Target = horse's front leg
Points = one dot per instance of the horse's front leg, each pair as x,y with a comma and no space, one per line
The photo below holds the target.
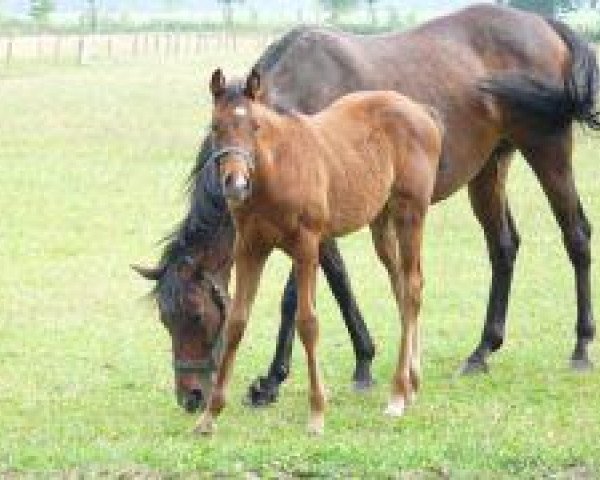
306,261
249,264
264,390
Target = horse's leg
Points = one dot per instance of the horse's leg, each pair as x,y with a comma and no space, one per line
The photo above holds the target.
339,283
551,163
488,200
264,390
248,270
306,262
408,288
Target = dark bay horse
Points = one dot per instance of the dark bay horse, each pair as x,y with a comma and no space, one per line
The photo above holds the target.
503,80
292,180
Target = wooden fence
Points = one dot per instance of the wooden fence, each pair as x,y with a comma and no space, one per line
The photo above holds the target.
84,48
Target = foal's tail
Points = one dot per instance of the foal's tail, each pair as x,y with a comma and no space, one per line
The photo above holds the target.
554,105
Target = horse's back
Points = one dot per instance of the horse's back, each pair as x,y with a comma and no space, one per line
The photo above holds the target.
440,63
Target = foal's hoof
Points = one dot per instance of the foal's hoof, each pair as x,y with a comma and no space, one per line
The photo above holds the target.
474,367
316,425
395,407
205,426
582,364
262,392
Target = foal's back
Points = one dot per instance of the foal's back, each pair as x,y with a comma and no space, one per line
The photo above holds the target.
372,145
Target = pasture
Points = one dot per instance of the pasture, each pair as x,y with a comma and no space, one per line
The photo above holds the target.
94,161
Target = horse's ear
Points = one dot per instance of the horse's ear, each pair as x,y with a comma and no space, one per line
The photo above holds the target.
217,83
252,90
149,273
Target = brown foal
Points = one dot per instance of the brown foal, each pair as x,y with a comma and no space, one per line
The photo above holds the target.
292,181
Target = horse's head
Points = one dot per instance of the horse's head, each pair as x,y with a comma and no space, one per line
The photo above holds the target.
233,133
192,307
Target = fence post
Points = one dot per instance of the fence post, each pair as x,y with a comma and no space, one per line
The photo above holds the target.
38,45
81,50
9,49
57,48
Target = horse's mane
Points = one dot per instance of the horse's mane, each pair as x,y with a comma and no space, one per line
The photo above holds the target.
206,222
208,216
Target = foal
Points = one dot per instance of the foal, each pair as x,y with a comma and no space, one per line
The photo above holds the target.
292,181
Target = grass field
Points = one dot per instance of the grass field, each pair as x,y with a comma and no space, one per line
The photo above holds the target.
93,163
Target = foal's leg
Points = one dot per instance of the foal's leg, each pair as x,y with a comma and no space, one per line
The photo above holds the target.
488,199
409,229
306,264
406,282
551,163
248,271
264,390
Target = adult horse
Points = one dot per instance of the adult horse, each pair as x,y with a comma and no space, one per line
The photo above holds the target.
503,80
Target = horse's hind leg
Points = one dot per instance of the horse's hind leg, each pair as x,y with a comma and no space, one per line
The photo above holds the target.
339,282
488,200
551,163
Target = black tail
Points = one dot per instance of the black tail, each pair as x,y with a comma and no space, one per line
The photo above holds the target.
551,104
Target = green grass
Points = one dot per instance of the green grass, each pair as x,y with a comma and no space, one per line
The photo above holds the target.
93,163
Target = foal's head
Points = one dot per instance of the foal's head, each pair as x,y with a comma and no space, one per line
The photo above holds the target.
233,133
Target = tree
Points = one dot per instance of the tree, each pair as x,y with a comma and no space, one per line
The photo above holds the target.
92,14
543,7
228,10
40,10
371,4
336,7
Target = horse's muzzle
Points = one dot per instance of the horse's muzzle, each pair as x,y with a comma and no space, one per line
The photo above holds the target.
191,401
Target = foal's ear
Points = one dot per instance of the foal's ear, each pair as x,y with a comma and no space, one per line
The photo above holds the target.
253,86
217,83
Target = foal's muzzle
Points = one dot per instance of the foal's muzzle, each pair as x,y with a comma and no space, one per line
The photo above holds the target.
236,187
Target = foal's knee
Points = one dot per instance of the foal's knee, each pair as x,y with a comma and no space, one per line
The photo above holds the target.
235,330
414,289
307,327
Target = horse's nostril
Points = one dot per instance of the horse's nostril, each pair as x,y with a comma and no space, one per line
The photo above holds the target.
193,400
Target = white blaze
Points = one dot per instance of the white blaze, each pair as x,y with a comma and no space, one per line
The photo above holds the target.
240,111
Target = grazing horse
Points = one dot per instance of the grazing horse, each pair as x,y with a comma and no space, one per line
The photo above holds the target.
502,80
292,181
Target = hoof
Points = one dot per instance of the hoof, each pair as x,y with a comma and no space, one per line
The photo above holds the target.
205,426
316,425
581,364
261,393
474,367
395,407
363,385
